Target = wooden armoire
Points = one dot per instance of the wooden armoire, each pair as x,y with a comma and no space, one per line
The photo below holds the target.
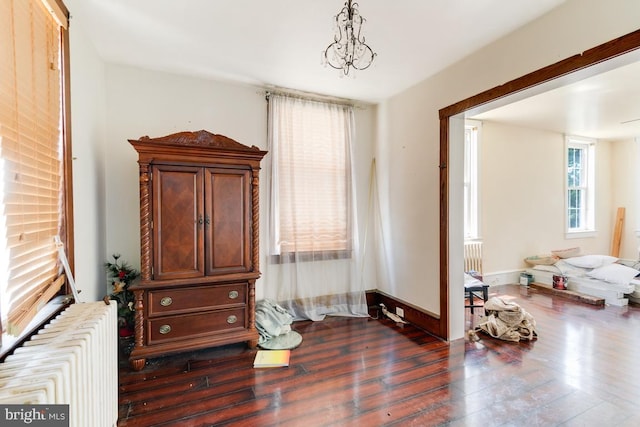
198,244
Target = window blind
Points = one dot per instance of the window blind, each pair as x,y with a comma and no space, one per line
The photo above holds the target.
313,175
30,159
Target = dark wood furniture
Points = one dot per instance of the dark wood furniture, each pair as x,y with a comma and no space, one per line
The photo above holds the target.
472,293
478,290
198,244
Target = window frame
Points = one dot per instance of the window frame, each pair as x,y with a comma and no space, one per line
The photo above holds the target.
587,146
471,179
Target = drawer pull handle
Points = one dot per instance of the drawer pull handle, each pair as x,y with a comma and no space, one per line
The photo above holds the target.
232,319
166,301
233,294
165,329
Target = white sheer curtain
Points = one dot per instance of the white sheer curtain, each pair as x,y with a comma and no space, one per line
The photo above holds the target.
313,261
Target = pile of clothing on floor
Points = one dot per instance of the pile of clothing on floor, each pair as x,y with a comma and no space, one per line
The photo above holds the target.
507,321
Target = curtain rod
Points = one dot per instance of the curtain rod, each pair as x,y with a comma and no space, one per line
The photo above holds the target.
310,96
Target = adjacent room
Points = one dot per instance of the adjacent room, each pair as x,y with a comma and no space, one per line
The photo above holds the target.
529,141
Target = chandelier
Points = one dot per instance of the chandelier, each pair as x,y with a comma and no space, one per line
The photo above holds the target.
349,48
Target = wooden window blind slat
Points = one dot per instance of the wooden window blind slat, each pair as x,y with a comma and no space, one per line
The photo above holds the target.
30,157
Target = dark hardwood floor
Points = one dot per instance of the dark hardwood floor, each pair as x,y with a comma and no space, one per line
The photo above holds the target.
581,371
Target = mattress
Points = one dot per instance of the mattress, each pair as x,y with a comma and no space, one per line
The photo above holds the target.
613,294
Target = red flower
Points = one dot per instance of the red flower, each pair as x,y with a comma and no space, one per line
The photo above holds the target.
126,331
121,274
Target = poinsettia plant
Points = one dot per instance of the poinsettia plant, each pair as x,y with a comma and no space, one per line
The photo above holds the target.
120,275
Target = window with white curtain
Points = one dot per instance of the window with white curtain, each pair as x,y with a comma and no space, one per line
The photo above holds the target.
580,185
315,259
311,173
32,150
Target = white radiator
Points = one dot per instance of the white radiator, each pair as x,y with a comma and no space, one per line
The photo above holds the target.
72,360
473,256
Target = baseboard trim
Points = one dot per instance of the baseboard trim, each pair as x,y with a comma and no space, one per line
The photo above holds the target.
421,318
507,277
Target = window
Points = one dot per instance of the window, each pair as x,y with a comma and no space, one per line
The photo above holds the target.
33,148
471,179
311,178
580,178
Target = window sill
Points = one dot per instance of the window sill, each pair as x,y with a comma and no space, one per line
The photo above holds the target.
291,257
580,234
48,312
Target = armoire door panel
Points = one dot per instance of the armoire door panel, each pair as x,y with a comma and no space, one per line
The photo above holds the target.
178,222
228,211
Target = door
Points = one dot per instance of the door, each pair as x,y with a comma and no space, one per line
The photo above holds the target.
227,219
178,222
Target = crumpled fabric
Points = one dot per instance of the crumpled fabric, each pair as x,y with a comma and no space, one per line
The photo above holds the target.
271,320
506,320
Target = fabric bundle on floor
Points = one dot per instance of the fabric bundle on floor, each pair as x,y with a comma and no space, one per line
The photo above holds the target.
507,321
272,320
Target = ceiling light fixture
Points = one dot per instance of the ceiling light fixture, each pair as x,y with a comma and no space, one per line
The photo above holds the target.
349,48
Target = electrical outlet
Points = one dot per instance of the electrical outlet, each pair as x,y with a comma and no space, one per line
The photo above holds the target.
400,311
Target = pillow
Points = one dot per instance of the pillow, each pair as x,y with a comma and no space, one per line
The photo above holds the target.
541,260
591,261
566,253
614,273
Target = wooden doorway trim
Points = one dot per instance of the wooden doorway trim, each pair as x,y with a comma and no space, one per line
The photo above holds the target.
601,53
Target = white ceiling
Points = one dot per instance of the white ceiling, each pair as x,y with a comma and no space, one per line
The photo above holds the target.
279,42
604,106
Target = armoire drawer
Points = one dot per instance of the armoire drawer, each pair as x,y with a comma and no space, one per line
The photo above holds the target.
184,300
182,326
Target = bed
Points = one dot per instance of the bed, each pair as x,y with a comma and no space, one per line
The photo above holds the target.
601,276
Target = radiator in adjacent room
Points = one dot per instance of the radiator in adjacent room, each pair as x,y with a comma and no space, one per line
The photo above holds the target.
72,360
473,256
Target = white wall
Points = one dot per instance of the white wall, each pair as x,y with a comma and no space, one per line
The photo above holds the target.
408,152
523,196
142,102
88,100
625,188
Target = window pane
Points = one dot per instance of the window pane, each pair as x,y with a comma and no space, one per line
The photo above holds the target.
573,219
572,177
471,141
575,208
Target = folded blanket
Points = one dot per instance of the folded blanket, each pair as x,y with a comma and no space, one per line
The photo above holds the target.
506,320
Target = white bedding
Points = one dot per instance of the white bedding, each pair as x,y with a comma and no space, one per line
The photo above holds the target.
596,275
